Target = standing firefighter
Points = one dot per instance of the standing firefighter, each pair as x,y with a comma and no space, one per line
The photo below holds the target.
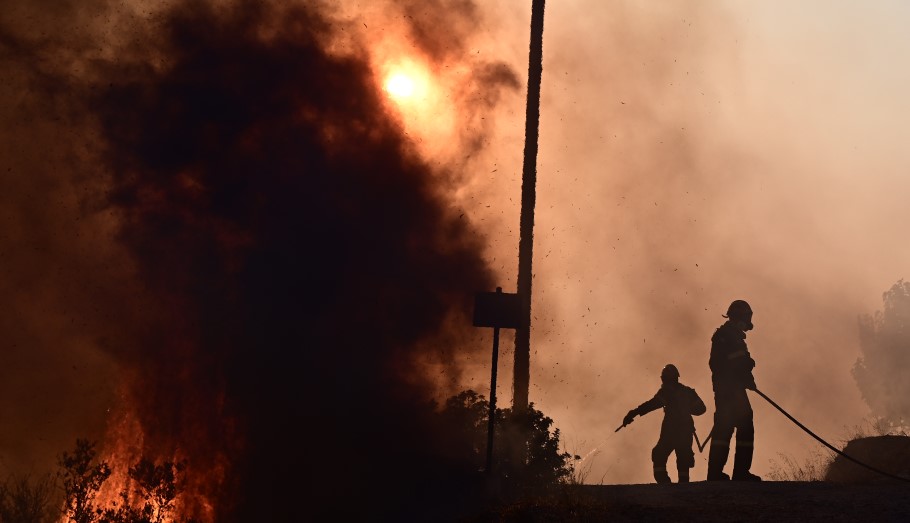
679,403
731,374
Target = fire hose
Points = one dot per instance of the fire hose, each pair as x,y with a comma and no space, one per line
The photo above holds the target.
701,446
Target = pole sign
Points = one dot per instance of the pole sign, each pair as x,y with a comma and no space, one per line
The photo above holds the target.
501,311
497,309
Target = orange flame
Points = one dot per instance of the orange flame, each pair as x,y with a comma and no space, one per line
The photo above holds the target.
125,444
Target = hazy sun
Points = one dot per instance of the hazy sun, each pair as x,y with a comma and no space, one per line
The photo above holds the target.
419,97
400,85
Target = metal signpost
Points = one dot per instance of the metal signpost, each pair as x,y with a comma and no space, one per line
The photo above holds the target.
500,311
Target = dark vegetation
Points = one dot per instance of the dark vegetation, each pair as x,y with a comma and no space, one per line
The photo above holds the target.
527,461
27,499
72,493
465,417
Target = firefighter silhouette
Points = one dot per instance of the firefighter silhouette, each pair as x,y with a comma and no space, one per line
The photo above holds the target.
680,403
731,374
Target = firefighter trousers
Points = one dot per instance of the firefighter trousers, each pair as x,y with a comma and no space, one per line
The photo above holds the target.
676,439
732,412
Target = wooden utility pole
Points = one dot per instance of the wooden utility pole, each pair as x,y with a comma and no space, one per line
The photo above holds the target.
521,371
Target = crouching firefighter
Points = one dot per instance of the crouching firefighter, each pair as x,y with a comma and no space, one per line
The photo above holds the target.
680,403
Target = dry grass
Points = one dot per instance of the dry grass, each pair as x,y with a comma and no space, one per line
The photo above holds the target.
813,468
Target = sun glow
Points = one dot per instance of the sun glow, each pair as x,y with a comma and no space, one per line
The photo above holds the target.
407,83
420,98
400,85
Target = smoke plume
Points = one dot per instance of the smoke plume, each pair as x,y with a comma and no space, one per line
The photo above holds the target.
295,269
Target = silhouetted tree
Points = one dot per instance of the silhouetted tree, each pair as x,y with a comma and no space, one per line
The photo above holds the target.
24,499
82,477
883,371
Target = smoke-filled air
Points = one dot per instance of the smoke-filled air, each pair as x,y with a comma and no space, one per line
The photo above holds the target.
246,236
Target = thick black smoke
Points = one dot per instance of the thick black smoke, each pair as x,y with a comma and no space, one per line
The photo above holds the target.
299,258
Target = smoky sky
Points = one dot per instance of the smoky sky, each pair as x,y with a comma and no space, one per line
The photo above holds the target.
292,265
690,155
65,289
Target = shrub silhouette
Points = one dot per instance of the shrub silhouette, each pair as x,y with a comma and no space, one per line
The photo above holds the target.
464,417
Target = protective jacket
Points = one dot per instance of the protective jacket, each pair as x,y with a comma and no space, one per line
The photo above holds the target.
679,402
730,362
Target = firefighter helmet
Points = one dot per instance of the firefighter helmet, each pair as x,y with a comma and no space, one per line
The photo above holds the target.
739,310
669,373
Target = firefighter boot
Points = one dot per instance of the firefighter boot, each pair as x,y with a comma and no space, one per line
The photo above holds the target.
742,462
660,474
683,475
745,476
717,458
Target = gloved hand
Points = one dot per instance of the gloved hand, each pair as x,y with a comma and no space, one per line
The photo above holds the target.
750,385
629,417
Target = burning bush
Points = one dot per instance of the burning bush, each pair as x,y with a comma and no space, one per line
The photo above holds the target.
149,497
